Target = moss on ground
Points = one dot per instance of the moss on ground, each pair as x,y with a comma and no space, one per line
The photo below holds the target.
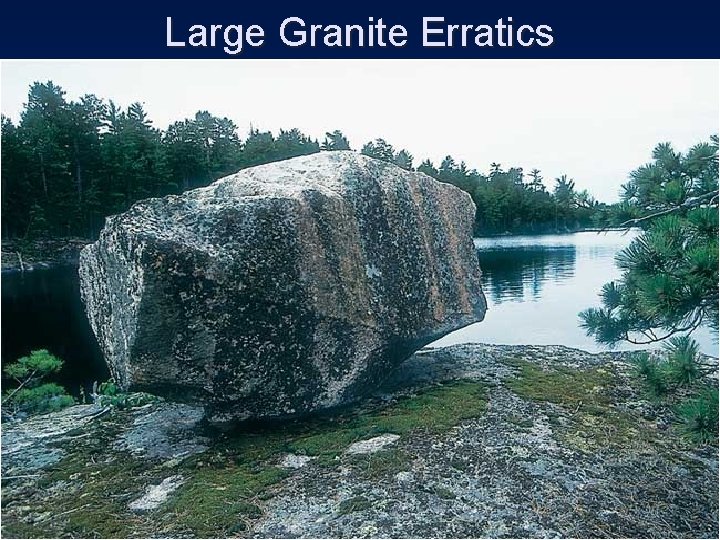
519,421
354,504
443,492
223,496
221,501
594,422
87,499
585,389
86,494
379,464
435,409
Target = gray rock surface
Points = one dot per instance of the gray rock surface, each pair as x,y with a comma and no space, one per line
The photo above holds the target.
155,495
166,432
372,445
524,469
36,443
285,288
568,444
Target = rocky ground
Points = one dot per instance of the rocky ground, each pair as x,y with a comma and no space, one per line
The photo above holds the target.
466,441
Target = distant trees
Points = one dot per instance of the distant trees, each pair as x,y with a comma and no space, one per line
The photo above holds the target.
510,201
381,149
201,149
68,164
335,140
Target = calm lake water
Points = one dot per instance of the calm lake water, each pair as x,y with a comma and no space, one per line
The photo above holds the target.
535,287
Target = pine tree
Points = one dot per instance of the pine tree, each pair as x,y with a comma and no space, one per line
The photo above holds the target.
404,159
32,394
335,140
669,282
379,149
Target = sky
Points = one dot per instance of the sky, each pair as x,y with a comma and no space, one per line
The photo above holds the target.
592,120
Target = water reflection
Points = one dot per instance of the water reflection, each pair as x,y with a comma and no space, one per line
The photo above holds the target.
518,273
537,285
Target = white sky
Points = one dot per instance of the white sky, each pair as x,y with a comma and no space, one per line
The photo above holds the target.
592,120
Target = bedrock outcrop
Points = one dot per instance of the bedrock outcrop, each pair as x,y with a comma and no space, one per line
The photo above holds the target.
282,289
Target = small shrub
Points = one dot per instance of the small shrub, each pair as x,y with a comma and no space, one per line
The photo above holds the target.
32,396
699,416
108,388
653,372
39,364
109,393
355,504
44,398
683,360
680,367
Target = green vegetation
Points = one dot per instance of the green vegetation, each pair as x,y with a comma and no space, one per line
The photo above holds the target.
238,473
509,200
699,416
669,283
96,513
221,498
32,395
591,422
681,369
108,393
654,373
384,463
512,201
443,492
436,409
683,360
244,468
574,389
681,366
355,504
223,488
68,164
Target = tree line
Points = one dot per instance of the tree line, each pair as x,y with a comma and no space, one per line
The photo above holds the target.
67,165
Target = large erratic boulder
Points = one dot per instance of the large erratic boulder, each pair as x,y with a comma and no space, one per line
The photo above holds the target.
282,289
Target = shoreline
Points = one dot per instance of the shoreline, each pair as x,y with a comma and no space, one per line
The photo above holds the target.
41,254
552,233
56,252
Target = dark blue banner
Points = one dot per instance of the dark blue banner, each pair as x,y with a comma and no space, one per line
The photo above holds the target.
360,30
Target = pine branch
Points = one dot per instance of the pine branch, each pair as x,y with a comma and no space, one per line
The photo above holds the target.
691,202
694,325
9,395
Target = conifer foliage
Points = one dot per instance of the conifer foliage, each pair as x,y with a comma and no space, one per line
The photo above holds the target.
669,282
31,393
68,164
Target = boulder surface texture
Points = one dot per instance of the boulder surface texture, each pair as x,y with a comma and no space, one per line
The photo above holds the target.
282,289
